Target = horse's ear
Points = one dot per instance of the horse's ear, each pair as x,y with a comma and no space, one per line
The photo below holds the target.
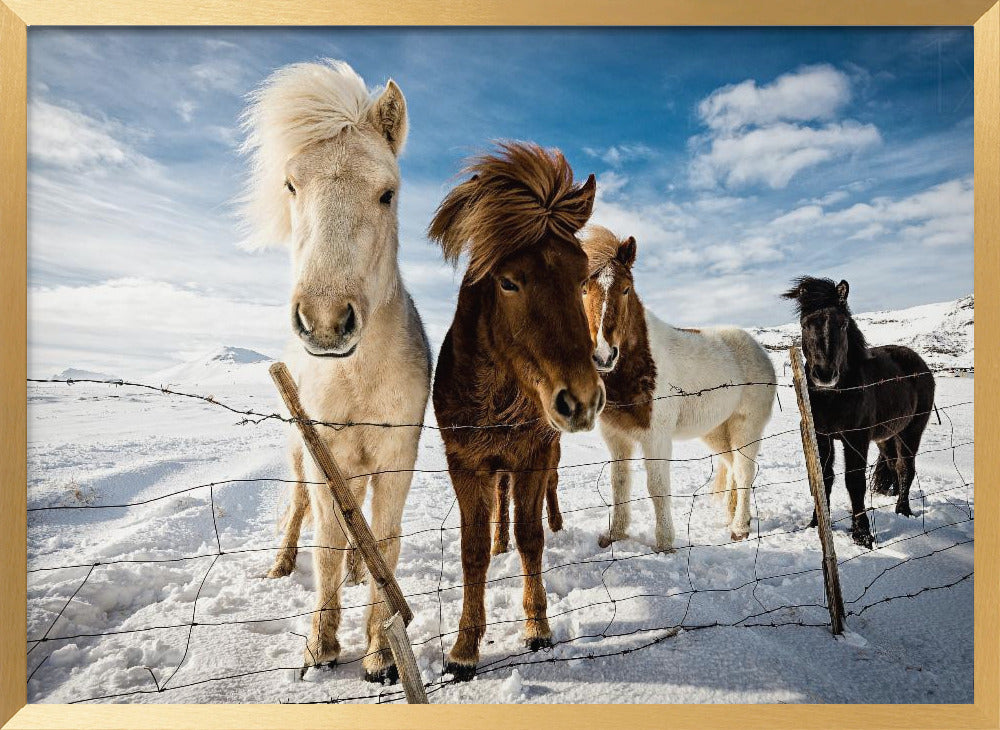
626,252
842,289
447,227
388,114
587,194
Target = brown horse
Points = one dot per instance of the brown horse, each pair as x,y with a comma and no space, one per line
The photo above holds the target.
518,352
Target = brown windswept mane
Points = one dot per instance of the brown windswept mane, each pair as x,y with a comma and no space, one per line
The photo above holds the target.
516,197
600,245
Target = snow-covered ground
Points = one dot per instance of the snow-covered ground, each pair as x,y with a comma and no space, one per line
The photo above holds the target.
126,632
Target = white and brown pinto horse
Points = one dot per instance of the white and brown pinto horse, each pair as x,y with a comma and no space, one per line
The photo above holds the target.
324,183
647,366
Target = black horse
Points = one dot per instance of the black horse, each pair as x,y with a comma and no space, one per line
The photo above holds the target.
861,394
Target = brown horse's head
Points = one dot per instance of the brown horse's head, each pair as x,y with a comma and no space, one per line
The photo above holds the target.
517,218
608,293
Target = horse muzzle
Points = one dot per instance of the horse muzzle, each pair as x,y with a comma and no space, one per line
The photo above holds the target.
325,331
572,412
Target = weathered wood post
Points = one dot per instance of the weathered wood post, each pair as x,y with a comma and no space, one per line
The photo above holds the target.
831,576
361,537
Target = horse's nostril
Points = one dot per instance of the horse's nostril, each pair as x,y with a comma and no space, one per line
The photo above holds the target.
565,405
349,322
301,321
614,354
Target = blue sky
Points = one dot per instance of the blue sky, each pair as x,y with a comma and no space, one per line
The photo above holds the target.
739,158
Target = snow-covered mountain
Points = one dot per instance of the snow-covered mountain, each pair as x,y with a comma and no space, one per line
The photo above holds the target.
81,374
225,365
941,333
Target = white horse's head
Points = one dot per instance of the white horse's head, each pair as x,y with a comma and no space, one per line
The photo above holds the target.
324,181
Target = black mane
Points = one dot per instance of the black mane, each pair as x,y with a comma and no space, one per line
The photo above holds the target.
812,294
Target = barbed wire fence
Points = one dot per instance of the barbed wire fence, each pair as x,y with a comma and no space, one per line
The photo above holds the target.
596,645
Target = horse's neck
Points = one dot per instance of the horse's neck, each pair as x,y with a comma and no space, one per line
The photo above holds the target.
632,383
478,363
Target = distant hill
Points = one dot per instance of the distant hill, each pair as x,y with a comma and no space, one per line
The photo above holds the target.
225,365
942,333
79,374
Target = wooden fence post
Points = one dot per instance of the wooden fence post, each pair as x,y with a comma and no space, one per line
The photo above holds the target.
831,576
361,536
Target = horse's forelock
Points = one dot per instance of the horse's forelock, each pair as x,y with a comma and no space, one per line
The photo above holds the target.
296,106
812,294
516,197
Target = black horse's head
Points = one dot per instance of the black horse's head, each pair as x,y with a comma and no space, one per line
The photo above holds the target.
831,341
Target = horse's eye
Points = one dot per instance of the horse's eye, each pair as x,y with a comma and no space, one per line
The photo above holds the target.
387,197
508,285
290,187
627,290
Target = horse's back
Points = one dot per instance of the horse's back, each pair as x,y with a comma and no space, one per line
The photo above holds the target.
700,361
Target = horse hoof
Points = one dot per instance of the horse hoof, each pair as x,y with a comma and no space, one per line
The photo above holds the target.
386,675
461,672
538,642
321,665
864,539
499,549
904,509
604,540
555,524
814,521
281,569
738,536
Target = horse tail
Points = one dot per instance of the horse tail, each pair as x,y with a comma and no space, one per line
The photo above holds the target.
884,479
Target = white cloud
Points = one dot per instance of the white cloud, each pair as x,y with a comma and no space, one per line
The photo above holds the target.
941,215
220,74
617,155
773,155
810,93
768,134
185,110
65,138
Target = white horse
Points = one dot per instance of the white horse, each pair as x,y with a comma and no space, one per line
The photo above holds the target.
324,182
647,365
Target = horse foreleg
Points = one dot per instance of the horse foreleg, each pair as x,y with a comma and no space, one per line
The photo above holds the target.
855,468
621,448
328,561
389,492
552,503
744,471
284,561
501,514
658,454
551,491
530,542
474,495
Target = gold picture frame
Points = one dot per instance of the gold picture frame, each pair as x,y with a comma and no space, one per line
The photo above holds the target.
16,15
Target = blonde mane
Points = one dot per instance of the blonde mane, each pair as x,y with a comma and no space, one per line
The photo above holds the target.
296,106
600,245
515,198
